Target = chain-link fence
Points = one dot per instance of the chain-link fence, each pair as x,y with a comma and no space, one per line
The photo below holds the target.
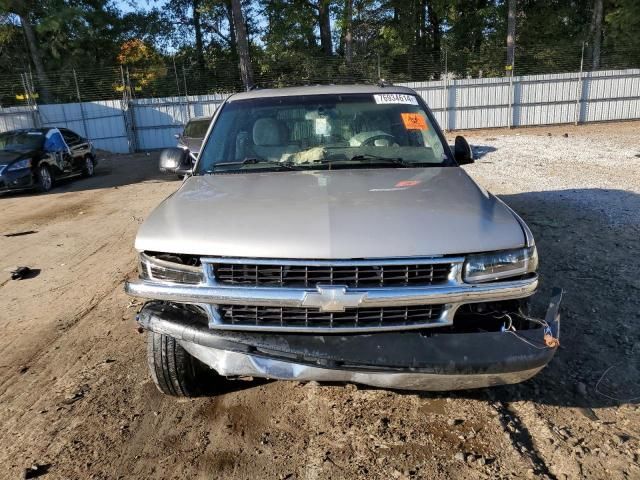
126,108
297,68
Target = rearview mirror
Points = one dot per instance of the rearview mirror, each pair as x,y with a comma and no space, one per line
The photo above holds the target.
462,151
172,159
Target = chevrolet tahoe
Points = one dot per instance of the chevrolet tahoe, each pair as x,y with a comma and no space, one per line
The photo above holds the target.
329,233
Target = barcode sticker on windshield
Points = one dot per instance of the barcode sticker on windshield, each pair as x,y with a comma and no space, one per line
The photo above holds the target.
395,98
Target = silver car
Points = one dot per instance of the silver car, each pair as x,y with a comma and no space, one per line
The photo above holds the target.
193,134
328,233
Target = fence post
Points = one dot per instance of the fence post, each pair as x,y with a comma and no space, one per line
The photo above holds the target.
445,92
579,88
30,102
132,113
175,71
124,108
511,92
186,95
84,120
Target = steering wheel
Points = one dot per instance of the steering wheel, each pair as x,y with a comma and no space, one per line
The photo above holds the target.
369,142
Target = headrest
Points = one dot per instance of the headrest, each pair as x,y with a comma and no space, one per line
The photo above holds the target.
269,132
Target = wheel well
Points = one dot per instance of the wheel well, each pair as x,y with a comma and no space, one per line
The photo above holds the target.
53,169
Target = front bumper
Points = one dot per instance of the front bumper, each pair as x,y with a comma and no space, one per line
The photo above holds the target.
414,360
16,180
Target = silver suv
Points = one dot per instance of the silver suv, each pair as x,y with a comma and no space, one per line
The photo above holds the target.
192,136
328,233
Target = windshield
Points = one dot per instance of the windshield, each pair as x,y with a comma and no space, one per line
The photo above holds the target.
21,141
323,131
197,128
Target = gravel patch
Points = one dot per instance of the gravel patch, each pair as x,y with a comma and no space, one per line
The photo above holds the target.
596,172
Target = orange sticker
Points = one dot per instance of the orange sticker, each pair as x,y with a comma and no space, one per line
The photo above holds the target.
414,121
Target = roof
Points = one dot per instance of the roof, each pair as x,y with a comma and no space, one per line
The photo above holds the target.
319,90
26,130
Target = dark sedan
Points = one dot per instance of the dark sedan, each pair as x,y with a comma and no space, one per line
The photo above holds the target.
35,158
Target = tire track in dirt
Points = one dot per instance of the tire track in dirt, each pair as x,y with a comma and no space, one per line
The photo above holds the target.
82,360
62,324
314,454
63,329
521,439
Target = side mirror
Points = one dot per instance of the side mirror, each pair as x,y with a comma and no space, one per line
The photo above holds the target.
185,170
177,135
172,159
462,151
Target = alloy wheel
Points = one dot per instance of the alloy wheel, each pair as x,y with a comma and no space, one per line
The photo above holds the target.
45,178
88,166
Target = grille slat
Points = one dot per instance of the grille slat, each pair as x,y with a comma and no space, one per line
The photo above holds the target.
308,276
247,315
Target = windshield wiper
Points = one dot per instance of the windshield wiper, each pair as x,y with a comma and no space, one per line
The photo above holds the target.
362,158
394,160
255,161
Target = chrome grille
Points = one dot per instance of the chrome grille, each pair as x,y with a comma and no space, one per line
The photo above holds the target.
261,316
353,276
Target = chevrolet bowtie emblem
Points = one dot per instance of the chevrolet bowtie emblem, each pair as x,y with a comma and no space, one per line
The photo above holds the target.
332,299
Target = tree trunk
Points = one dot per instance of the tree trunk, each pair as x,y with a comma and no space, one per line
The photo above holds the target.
423,15
197,27
478,30
36,57
596,32
511,34
232,31
324,21
246,72
436,35
348,38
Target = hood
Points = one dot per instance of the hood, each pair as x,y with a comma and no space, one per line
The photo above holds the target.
364,213
7,157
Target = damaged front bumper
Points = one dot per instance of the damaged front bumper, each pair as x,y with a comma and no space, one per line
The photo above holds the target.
430,359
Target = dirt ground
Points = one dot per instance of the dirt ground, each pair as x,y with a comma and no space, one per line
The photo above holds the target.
76,401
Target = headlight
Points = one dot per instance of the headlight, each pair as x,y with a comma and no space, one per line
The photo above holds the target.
155,269
21,165
486,267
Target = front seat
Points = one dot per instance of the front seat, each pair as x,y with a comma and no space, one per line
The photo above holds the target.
271,138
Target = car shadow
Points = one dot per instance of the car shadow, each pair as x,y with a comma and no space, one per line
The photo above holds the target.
587,241
218,387
112,171
480,151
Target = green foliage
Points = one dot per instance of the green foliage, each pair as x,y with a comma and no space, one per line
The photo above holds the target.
400,40
622,40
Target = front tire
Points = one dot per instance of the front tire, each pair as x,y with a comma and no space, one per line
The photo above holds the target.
174,371
44,179
89,167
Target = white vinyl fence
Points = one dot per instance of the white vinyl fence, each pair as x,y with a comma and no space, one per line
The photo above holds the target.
145,124
157,120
